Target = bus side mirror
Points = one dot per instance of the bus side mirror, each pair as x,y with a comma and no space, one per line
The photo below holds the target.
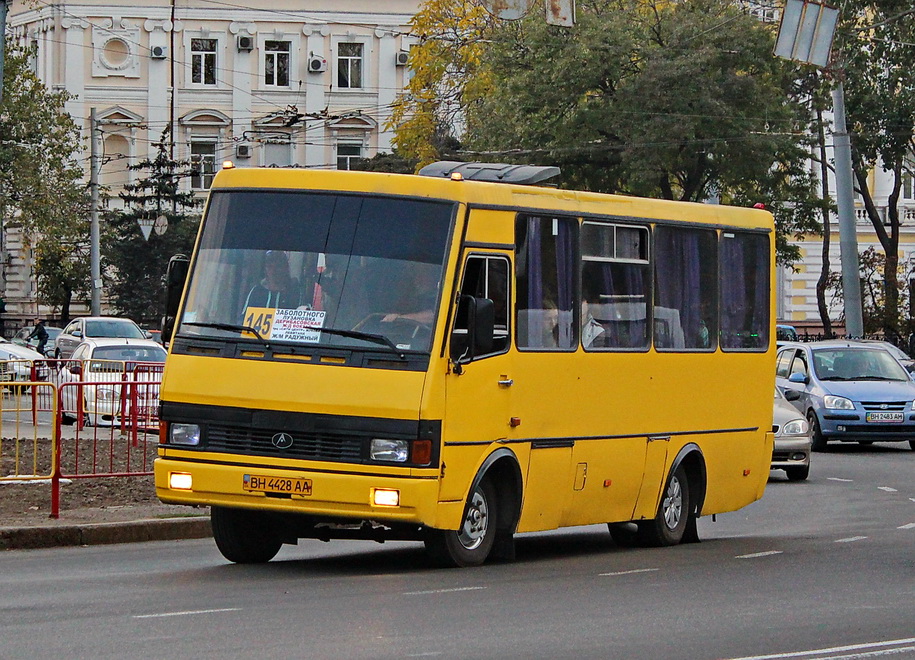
478,316
175,277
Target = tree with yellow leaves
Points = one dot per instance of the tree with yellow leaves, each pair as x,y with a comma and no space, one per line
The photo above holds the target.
449,76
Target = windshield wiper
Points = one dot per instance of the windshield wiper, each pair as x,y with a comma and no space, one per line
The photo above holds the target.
366,336
231,327
353,334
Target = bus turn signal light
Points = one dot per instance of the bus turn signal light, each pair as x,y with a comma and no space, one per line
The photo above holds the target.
422,452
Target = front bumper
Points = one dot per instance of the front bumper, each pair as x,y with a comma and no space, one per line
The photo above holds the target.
337,492
790,452
852,426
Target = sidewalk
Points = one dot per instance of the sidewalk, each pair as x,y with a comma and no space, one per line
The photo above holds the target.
94,526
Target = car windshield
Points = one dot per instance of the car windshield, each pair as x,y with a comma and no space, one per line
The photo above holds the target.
129,353
857,364
113,328
283,266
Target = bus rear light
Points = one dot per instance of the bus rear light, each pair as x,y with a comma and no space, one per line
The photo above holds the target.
385,497
422,452
180,481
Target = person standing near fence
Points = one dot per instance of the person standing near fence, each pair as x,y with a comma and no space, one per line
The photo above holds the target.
39,333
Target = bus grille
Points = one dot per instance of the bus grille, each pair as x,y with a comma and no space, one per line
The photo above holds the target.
259,442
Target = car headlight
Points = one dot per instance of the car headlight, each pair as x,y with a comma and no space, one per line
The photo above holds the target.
106,394
795,427
385,449
837,402
184,434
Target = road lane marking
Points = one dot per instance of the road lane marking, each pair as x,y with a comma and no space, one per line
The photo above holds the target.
759,554
632,572
887,489
850,539
186,613
909,526
837,479
835,649
442,591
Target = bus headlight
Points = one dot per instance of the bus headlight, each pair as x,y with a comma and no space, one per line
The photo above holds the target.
385,449
184,434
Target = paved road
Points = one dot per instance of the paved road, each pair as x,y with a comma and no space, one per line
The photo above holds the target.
820,569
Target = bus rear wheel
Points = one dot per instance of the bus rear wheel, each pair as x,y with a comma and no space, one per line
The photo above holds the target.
470,545
669,525
244,537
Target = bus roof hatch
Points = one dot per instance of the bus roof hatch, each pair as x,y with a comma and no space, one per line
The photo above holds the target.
492,172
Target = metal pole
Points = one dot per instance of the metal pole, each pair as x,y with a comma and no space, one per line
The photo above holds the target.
848,239
95,262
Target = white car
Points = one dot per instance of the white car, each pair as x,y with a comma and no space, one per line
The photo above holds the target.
93,383
16,362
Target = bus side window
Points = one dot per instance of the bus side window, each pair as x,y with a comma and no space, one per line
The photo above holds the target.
485,277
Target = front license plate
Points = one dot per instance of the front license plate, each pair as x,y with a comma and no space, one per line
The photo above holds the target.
884,417
263,484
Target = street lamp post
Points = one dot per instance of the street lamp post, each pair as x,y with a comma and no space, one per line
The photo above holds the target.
805,35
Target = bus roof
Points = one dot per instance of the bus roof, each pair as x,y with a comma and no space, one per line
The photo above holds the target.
482,193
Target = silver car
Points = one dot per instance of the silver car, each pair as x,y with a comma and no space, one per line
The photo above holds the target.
792,439
94,327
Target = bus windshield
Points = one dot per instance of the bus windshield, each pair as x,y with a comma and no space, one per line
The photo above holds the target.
283,265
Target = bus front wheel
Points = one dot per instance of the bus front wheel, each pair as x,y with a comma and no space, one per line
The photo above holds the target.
669,525
244,537
470,545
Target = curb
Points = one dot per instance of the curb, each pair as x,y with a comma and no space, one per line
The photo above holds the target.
139,531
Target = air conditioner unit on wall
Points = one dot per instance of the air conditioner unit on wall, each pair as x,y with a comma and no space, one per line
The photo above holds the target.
158,52
316,64
245,42
401,58
243,151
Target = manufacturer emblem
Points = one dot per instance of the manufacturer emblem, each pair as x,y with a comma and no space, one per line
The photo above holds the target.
883,406
281,440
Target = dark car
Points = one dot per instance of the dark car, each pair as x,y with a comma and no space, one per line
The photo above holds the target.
92,327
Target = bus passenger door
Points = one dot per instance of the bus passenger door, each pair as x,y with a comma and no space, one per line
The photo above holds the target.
479,388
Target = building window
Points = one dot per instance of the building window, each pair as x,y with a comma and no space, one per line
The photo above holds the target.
349,66
203,159
276,63
277,153
347,154
203,61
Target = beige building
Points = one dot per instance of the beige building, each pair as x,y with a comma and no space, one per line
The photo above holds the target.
282,83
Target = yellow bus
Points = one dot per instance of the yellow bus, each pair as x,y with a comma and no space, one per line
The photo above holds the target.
463,355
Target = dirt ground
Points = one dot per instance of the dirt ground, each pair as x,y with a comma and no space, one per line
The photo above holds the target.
27,502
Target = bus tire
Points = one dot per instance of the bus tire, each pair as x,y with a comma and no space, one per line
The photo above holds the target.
470,545
669,525
244,537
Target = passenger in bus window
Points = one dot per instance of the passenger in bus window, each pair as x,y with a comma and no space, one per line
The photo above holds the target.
278,289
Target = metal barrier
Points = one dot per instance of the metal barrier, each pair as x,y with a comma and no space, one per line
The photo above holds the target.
28,446
100,418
